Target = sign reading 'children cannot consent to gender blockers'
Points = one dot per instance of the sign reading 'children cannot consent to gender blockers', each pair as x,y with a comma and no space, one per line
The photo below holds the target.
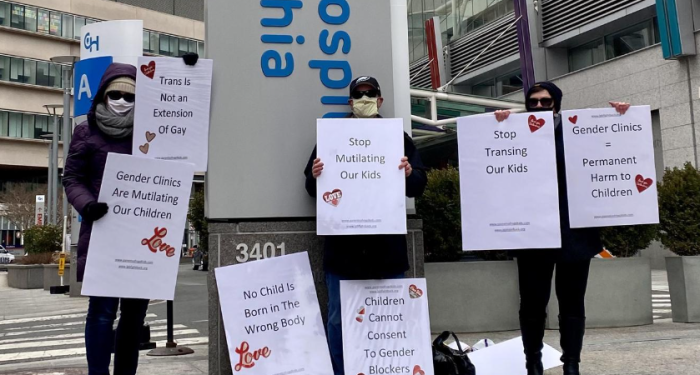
610,168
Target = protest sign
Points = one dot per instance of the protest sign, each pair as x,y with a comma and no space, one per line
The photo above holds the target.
271,316
134,248
508,182
386,327
361,190
171,118
610,167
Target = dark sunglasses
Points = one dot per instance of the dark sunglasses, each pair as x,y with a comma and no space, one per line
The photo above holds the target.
546,102
370,94
116,95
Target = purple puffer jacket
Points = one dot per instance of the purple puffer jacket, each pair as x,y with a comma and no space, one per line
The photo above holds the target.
85,165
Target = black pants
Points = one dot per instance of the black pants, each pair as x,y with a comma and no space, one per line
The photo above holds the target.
535,279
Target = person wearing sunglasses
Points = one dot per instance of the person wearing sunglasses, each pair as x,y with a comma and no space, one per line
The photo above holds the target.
572,261
363,257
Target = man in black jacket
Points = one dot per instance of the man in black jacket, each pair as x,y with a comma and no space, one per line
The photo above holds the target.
363,257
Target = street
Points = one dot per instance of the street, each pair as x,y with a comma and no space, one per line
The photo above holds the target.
39,330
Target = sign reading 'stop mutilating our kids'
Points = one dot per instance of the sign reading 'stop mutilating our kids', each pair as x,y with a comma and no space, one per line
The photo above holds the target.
171,121
610,169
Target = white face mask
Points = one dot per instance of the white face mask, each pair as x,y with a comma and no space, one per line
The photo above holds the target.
119,107
365,108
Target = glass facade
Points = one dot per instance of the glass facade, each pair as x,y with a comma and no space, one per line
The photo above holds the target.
32,72
614,45
457,18
499,86
68,26
26,125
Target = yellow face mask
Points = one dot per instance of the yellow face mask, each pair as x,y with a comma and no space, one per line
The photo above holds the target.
365,107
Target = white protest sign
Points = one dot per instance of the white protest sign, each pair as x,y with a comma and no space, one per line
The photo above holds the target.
171,121
509,358
271,316
122,40
361,190
134,248
386,327
508,182
610,167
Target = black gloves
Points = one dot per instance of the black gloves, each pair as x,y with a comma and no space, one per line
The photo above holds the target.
95,210
190,58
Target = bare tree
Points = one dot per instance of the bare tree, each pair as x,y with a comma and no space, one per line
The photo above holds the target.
18,203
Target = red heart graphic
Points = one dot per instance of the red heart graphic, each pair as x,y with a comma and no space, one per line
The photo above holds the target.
642,183
333,197
535,123
149,70
414,291
418,371
359,319
361,311
573,119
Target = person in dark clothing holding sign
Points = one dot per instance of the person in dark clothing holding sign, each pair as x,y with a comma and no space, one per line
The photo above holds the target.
573,260
363,257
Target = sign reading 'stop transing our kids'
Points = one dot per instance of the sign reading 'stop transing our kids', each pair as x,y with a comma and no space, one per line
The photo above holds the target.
291,62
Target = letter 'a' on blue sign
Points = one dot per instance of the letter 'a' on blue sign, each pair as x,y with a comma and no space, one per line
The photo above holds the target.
88,74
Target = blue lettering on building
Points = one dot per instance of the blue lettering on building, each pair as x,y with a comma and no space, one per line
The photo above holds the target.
89,42
278,61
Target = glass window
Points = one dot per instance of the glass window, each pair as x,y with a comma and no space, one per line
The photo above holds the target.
586,55
3,124
67,26
155,42
16,70
629,40
146,41
54,75
193,46
90,21
4,14
30,18
164,48
17,16
15,125
27,126
487,89
30,72
4,68
79,22
174,45
55,23
42,23
41,126
200,48
509,83
182,47
42,73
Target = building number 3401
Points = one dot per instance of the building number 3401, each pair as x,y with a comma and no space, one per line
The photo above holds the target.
268,250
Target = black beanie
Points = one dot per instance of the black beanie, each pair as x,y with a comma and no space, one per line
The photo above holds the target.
553,90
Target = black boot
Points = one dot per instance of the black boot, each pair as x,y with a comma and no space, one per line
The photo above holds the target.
533,333
572,331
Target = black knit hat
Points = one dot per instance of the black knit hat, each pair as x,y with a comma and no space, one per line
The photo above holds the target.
553,90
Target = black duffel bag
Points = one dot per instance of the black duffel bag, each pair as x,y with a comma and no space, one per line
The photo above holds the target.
448,361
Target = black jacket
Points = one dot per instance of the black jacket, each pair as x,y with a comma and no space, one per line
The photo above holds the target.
374,256
576,244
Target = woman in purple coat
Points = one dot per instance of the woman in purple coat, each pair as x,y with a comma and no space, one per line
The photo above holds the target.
108,129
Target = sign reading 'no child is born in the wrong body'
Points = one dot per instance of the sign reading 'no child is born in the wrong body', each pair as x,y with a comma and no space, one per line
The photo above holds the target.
272,320
386,327
361,190
171,121
135,247
508,182
610,169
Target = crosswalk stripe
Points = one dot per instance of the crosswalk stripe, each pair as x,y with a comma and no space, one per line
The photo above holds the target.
662,311
57,325
80,334
662,305
48,342
55,353
49,318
